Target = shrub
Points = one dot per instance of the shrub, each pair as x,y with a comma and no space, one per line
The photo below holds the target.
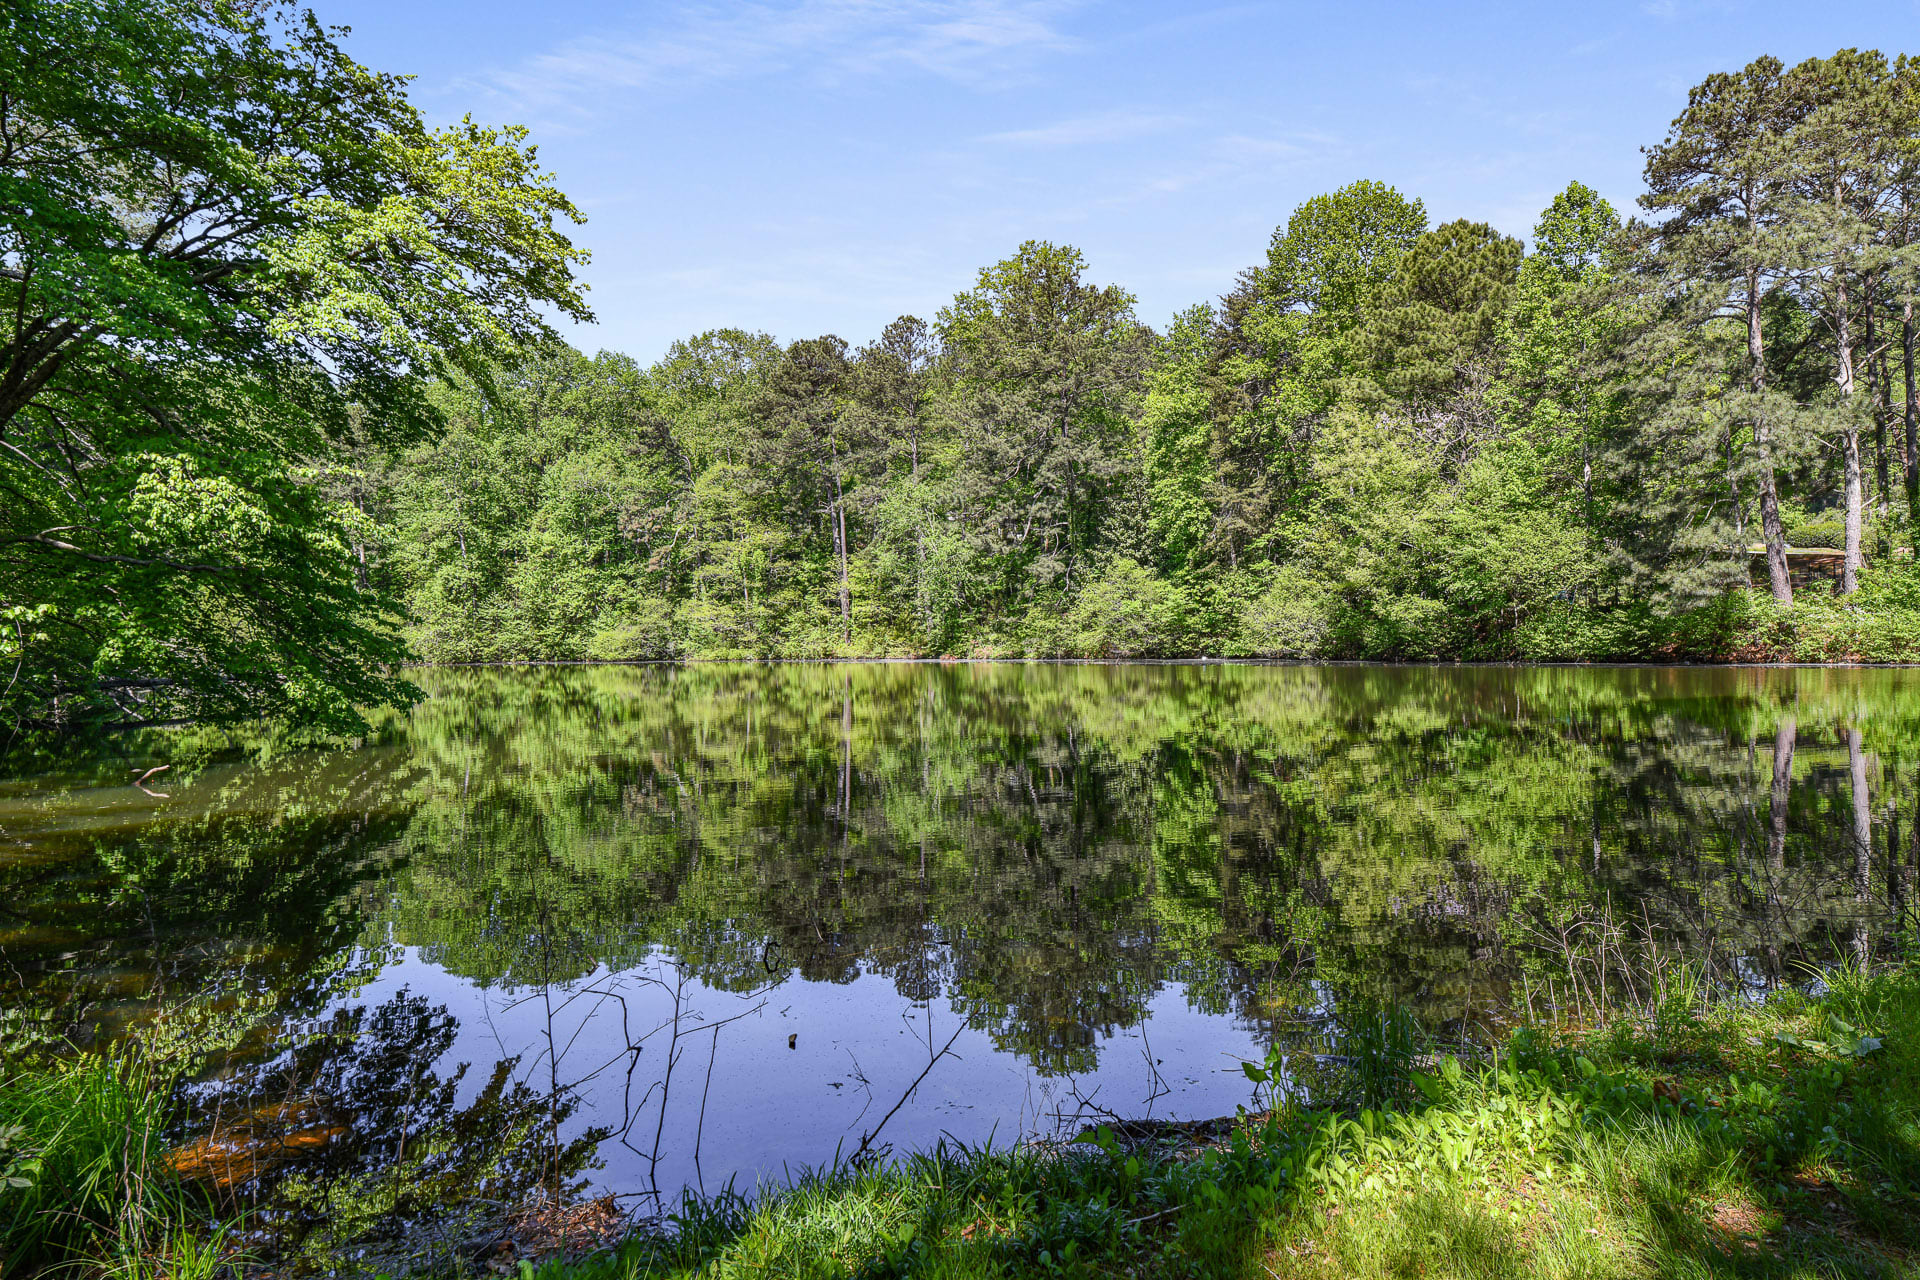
1817,533
1126,612
641,632
1292,618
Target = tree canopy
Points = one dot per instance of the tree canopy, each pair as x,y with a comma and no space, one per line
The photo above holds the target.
229,250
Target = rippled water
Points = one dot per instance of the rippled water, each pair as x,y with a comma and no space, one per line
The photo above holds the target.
712,923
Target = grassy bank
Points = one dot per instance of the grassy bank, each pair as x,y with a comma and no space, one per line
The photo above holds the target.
1772,1139
85,1185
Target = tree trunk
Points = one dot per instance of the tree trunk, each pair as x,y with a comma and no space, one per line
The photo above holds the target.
1856,501
1849,431
1880,397
840,553
1733,495
1912,409
846,593
1883,452
1770,528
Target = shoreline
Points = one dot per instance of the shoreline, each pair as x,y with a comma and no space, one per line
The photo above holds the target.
1655,1141
1659,1137
1382,663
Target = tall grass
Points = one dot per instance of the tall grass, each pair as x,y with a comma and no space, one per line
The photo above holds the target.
88,1184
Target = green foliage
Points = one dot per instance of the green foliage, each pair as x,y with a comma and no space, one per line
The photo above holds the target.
1388,442
1292,618
85,1143
342,436
231,249
1124,612
1338,250
1430,330
1831,534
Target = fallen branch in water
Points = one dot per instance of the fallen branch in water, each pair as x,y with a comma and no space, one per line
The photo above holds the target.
864,1152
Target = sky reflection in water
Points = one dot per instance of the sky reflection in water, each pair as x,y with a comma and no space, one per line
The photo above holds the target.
1112,882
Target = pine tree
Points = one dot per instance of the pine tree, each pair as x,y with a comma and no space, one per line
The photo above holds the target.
1724,179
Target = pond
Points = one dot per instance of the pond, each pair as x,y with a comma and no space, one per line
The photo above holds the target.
665,928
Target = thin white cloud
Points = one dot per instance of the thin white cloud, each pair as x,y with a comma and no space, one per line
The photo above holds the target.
1675,10
1237,158
1100,127
832,40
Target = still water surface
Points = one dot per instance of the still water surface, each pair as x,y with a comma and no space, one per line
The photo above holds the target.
728,916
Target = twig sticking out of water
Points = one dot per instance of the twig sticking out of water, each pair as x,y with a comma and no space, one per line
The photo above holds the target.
865,1153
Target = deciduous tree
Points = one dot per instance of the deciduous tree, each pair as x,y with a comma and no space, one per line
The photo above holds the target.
219,235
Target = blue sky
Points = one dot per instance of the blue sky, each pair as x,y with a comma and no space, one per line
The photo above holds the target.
821,166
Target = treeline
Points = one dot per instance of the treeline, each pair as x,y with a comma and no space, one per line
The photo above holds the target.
279,411
1389,439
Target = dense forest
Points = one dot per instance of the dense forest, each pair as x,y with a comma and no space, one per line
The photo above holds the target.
282,410
1389,439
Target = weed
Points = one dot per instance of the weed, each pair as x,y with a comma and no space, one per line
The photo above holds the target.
85,1144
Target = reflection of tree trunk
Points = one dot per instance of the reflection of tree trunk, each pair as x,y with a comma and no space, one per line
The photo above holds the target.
926,792
1895,897
846,760
1862,844
1783,740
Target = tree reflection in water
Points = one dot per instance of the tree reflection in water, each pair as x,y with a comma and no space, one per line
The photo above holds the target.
1049,853
349,1139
